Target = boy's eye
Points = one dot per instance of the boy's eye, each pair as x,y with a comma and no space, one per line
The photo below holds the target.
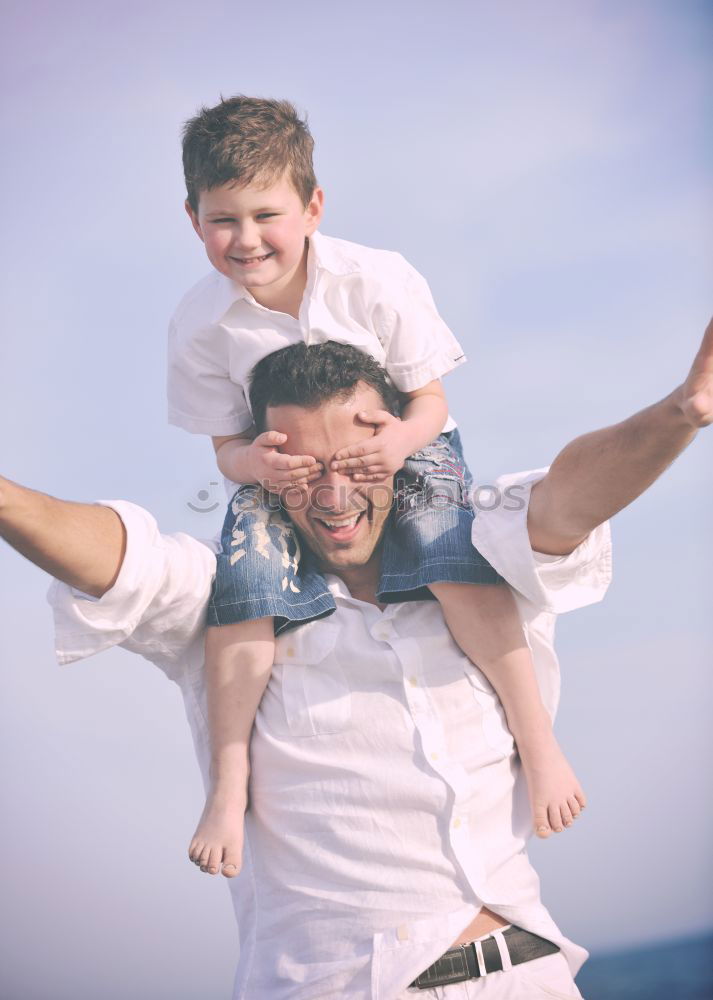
266,215
222,221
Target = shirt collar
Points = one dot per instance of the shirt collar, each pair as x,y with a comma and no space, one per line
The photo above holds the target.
325,255
227,292
338,587
330,255
342,596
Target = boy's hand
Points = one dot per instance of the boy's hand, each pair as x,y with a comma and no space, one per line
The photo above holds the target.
275,471
378,456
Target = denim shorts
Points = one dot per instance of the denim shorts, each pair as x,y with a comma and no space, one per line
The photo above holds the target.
263,571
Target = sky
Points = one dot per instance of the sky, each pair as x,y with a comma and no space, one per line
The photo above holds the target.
547,167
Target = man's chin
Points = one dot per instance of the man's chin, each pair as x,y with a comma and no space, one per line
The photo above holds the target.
345,555
344,559
336,557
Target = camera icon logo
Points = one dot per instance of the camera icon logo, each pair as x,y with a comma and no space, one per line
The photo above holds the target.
203,496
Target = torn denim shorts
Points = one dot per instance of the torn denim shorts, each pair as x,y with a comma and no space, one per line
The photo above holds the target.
428,539
262,570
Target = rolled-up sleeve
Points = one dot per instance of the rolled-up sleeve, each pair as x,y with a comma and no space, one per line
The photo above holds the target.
419,346
551,583
155,608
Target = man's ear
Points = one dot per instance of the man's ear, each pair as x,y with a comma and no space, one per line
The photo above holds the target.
314,210
194,219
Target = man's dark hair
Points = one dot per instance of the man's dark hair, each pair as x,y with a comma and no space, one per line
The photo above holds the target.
301,375
247,140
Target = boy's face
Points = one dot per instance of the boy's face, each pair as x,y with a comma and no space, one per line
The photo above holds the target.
256,235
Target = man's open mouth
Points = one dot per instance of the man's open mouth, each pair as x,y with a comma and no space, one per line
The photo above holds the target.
341,529
246,261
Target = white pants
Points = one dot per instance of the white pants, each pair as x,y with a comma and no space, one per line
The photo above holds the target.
545,978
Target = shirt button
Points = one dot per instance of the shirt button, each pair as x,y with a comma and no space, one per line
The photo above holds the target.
456,822
290,650
434,756
413,681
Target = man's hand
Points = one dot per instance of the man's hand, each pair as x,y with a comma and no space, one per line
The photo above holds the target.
696,393
379,456
276,471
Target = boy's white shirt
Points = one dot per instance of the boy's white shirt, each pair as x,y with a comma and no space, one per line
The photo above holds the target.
372,299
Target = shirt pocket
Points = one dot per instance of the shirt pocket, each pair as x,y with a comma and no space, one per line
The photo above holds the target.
315,691
493,721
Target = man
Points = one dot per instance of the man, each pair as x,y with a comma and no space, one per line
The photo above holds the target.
387,820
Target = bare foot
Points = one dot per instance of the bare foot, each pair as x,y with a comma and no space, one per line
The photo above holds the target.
556,797
217,844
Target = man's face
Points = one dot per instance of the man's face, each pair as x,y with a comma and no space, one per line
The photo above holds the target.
255,235
341,521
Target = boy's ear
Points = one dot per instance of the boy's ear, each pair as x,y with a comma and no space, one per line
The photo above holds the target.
194,218
314,210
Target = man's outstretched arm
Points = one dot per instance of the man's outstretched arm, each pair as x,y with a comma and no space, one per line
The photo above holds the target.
598,474
81,544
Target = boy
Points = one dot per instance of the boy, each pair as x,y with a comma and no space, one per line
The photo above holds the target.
254,201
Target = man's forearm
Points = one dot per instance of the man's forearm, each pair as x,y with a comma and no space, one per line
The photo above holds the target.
81,544
598,474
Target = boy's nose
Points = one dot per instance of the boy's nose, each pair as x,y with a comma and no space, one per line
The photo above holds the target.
248,237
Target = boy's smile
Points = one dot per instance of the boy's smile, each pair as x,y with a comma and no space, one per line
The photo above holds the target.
256,235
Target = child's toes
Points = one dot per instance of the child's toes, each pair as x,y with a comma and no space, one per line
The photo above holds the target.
574,806
195,851
541,822
204,858
231,865
555,818
566,814
232,858
213,863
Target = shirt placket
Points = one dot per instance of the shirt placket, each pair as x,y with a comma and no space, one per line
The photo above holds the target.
301,323
309,296
435,746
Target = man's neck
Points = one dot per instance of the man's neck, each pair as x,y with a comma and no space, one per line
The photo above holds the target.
360,581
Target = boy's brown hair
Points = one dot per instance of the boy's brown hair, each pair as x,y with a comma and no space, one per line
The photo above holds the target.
245,140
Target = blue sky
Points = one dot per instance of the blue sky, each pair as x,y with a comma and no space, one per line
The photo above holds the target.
548,168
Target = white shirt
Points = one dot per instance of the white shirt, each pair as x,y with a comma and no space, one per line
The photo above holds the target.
387,805
372,299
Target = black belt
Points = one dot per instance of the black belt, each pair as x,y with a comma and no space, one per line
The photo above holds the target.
461,963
